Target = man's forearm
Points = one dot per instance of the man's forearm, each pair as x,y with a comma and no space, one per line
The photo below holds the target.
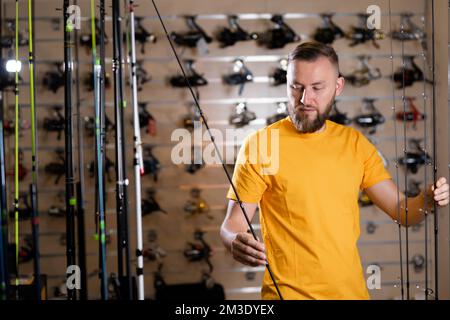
417,209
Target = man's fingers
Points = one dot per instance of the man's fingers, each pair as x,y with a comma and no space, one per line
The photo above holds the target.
441,196
248,240
248,250
443,202
248,260
441,181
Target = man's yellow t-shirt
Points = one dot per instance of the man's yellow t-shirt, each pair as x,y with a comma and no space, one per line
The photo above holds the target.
308,202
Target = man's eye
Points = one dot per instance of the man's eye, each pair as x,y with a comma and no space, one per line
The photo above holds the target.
317,89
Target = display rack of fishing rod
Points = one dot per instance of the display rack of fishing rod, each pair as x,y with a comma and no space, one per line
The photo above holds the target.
237,65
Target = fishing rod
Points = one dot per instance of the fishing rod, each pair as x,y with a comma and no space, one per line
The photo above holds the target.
406,172
99,103
138,161
219,154
34,159
16,152
122,182
4,272
396,160
70,192
425,139
436,217
80,184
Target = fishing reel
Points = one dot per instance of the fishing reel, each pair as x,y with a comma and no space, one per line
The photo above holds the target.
195,37
89,81
372,119
194,78
150,205
412,160
410,32
154,251
329,31
234,33
199,251
196,205
9,126
151,164
242,115
413,115
418,262
364,74
8,41
279,75
413,189
240,76
23,171
192,117
409,74
141,34
197,162
54,79
55,123
57,212
26,251
142,76
57,169
89,125
338,116
279,36
360,34
25,210
108,166
86,38
364,200
146,120
282,112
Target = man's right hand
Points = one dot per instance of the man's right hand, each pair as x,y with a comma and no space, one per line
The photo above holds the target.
247,250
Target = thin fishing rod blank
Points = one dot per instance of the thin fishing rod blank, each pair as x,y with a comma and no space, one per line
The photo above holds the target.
215,146
34,159
80,184
99,88
123,251
436,217
16,153
425,139
4,270
138,161
70,195
396,160
405,154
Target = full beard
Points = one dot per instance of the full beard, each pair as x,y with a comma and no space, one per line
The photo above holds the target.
302,122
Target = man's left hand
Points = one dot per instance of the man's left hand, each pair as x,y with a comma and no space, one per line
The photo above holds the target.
441,192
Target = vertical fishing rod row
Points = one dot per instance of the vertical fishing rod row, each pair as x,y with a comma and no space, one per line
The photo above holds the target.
34,159
70,195
81,236
99,103
138,161
121,180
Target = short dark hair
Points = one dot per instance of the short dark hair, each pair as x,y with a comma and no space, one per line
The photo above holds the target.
311,51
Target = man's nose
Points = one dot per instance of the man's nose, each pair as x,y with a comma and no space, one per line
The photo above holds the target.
306,97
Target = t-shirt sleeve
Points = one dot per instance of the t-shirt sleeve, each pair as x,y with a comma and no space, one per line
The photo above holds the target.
374,170
247,177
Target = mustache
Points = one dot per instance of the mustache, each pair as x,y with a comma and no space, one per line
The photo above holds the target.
302,106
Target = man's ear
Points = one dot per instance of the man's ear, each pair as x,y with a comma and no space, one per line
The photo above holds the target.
340,82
